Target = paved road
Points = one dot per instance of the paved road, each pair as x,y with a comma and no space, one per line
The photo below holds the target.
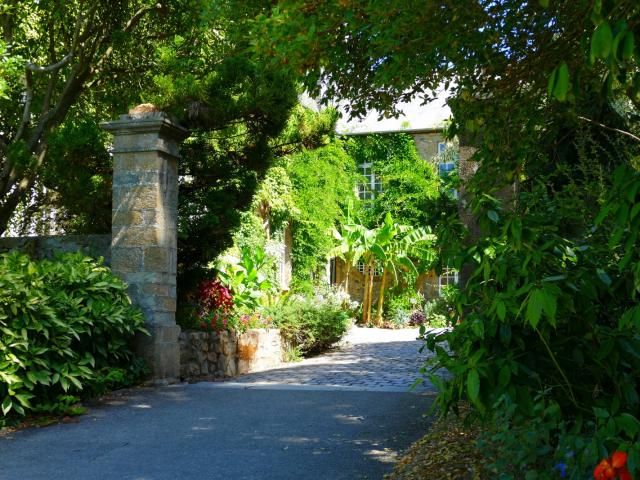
345,415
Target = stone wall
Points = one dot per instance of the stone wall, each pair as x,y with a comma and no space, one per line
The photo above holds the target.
47,247
427,143
426,283
227,354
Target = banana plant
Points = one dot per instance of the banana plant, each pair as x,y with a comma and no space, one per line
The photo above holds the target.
349,247
396,247
367,240
247,279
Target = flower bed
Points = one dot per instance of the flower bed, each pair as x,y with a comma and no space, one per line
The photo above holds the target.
217,354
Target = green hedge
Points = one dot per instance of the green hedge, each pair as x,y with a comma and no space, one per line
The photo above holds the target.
65,327
309,325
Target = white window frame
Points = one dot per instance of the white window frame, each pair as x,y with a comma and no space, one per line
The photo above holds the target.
448,274
370,187
377,269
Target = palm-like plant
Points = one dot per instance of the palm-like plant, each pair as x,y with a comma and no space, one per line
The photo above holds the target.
349,247
395,248
392,245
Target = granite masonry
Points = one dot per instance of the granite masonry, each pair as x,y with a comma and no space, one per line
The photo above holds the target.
227,354
144,220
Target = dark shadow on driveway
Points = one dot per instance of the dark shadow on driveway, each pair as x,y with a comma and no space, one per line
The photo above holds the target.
197,432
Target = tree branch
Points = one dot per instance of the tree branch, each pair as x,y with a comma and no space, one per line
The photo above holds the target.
623,132
50,68
26,113
131,23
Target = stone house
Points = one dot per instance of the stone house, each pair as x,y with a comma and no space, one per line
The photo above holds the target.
430,144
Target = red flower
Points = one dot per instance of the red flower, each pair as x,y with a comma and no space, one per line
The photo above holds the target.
613,467
618,459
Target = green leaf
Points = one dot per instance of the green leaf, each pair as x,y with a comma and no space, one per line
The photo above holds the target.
628,46
549,305
629,424
544,3
601,41
561,86
473,385
552,82
478,327
23,398
501,310
534,307
603,276
504,376
6,405
493,216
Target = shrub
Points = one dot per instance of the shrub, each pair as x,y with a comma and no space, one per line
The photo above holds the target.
400,307
417,318
247,280
65,328
435,313
214,297
311,324
214,304
236,323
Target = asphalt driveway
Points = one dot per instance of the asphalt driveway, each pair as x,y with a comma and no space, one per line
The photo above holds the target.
258,427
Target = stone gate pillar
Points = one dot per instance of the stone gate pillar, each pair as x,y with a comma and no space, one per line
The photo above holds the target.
144,222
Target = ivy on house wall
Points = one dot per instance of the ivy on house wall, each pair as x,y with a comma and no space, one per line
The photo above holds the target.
323,183
410,185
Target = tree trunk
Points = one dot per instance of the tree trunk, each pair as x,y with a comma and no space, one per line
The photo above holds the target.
365,295
346,277
381,299
370,270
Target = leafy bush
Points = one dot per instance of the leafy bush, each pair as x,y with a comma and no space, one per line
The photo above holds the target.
65,329
247,280
400,306
214,301
546,347
311,324
440,312
236,323
435,313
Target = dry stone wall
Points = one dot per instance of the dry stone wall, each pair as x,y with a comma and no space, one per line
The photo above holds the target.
227,354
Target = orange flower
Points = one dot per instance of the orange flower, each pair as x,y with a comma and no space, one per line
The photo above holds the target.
613,467
619,459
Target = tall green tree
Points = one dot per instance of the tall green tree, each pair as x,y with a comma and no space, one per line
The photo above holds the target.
66,66
52,53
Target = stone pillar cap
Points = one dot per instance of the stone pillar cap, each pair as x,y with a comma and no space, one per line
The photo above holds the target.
146,118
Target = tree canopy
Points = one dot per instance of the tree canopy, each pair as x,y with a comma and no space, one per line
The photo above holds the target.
67,66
